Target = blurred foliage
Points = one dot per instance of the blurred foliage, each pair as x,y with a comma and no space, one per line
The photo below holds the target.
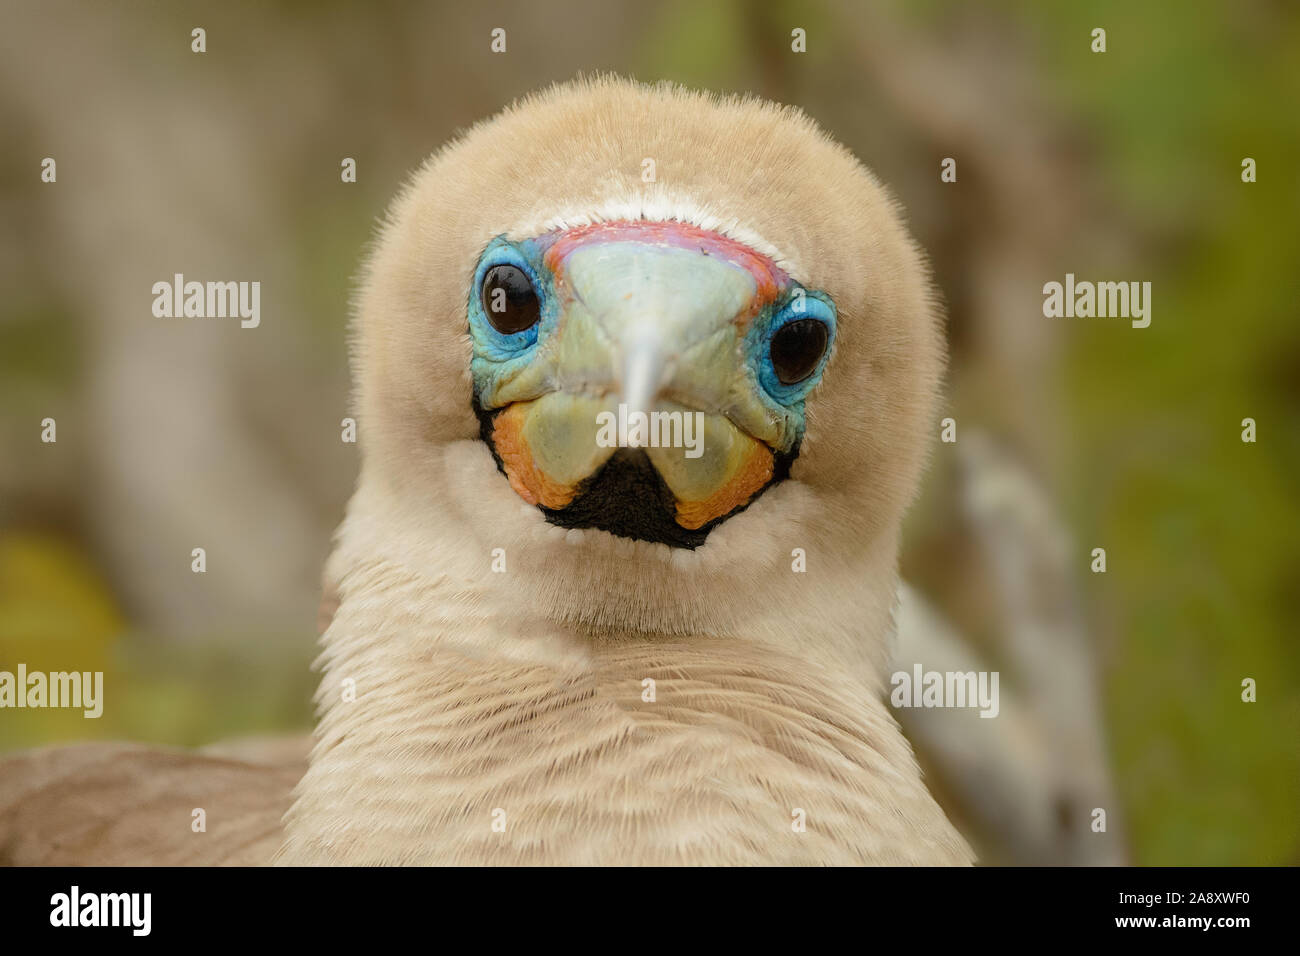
57,615
1200,529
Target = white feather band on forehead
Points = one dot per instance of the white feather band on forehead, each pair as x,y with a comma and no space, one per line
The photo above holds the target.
662,207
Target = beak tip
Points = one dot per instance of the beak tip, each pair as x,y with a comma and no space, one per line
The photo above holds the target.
642,371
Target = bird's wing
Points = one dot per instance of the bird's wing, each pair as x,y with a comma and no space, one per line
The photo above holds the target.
116,804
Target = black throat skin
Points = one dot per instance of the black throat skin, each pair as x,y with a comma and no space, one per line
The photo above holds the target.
628,498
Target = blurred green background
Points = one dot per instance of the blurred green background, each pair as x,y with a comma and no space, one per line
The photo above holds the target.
1123,165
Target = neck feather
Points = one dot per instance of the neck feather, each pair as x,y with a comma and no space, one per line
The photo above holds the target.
449,734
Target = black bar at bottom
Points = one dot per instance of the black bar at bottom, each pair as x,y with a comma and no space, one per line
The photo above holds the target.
620,908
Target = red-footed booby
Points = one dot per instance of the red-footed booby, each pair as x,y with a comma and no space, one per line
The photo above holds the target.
552,646
645,380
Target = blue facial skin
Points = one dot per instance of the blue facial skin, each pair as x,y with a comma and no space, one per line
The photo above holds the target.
783,398
496,354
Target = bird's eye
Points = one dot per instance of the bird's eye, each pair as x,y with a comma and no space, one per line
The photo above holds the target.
796,349
509,299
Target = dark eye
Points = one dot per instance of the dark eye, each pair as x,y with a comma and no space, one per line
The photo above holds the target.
796,349
510,300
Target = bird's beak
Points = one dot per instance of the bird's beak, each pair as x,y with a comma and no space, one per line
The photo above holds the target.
645,333
643,360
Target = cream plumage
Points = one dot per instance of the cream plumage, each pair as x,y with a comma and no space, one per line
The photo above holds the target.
522,691
470,715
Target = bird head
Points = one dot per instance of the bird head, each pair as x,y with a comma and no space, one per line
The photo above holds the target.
631,358
644,378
